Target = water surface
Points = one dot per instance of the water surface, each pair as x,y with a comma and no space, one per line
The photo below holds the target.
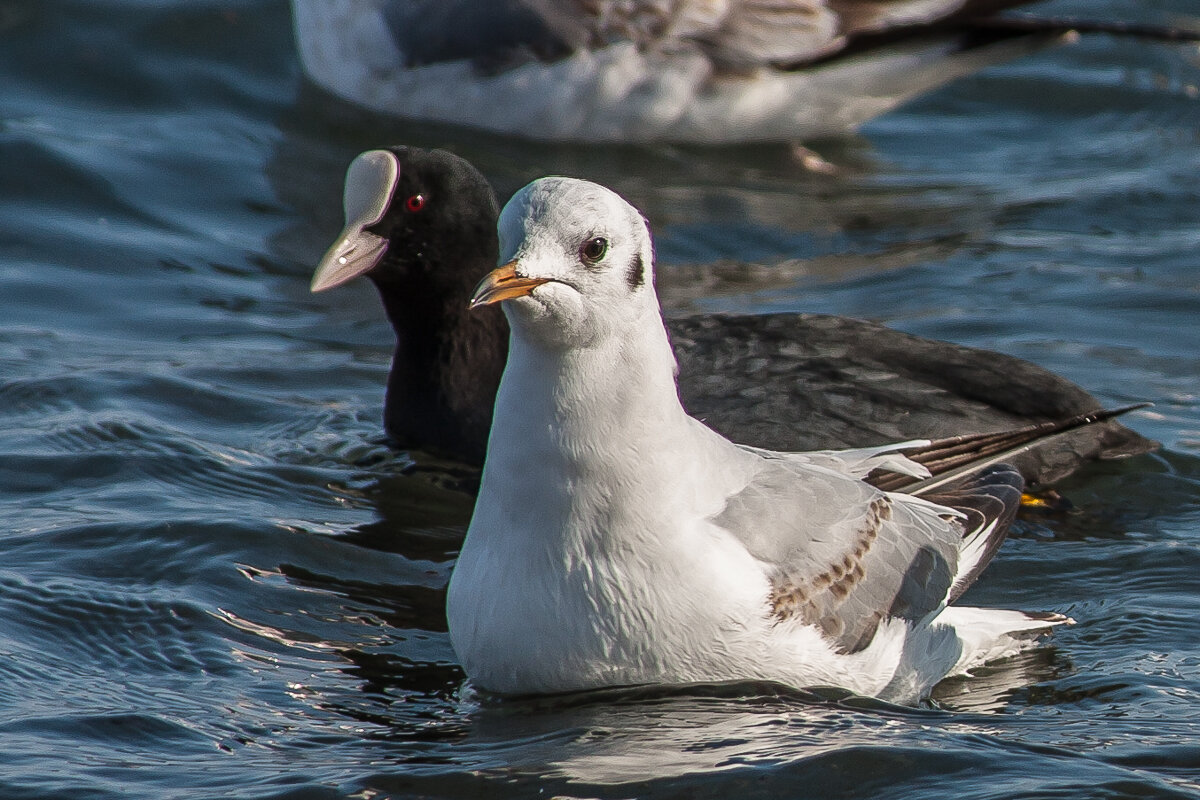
216,581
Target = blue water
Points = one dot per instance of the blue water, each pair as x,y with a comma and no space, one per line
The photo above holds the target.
216,581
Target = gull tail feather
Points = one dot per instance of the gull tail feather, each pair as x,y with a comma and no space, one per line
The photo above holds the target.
991,633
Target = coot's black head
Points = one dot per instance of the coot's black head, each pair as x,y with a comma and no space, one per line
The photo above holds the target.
421,224
416,221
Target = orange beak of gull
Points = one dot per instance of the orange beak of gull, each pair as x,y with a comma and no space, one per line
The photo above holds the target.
503,283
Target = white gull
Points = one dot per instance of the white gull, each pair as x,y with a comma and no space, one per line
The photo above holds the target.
618,541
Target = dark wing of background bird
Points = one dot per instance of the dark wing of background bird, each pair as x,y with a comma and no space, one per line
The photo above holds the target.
800,382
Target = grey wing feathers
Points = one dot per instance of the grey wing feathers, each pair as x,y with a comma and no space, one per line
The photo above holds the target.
840,555
493,34
843,557
498,34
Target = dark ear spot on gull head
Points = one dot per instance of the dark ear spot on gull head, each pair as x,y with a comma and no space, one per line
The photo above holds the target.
636,276
637,273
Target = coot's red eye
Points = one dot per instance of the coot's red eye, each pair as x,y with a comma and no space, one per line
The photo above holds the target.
415,203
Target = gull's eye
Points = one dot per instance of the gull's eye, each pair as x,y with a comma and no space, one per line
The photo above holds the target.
415,203
593,250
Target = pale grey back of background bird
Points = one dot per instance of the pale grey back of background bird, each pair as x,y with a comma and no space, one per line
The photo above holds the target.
736,35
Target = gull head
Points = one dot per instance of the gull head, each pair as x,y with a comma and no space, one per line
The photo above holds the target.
576,263
410,214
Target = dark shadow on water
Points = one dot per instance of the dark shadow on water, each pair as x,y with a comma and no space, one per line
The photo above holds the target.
423,511
1110,499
